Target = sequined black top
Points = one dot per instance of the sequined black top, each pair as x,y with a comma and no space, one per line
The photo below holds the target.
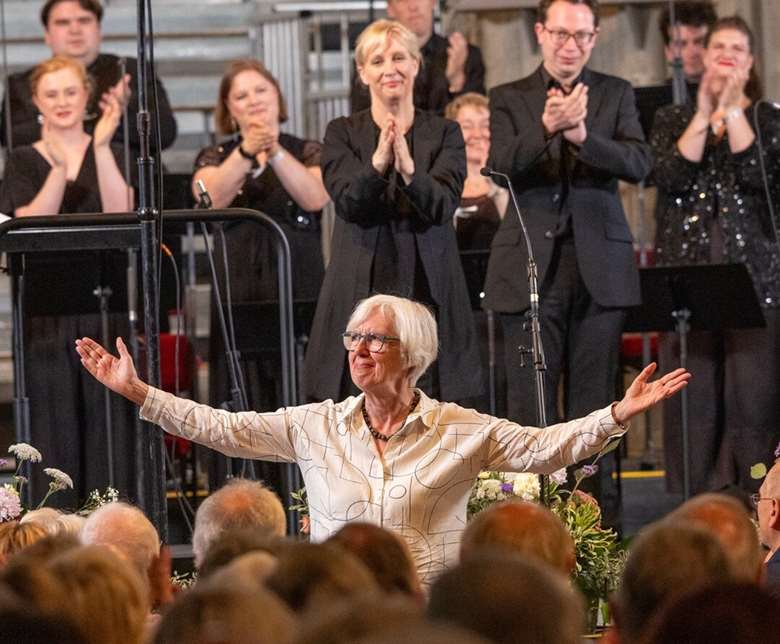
716,210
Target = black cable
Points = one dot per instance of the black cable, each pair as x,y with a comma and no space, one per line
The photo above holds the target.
229,305
762,165
152,76
181,499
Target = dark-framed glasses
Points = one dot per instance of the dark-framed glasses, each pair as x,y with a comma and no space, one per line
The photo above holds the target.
374,341
560,37
755,498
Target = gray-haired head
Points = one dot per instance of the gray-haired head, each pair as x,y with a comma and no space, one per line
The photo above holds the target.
126,529
414,324
238,504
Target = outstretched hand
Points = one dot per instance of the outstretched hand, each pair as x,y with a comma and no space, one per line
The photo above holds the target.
118,374
642,395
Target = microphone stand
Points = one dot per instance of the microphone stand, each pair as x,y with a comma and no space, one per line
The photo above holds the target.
537,349
150,448
679,88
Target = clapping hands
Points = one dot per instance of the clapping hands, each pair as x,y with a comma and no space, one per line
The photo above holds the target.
392,149
567,113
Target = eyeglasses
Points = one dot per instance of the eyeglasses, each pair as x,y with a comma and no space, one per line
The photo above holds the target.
374,341
755,498
560,37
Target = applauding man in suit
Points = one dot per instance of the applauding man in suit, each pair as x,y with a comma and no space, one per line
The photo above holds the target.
565,135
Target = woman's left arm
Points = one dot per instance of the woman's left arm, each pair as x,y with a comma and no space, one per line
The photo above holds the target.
115,194
435,191
514,448
303,183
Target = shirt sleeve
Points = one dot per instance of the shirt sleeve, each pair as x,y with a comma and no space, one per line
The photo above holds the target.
516,448
672,172
263,436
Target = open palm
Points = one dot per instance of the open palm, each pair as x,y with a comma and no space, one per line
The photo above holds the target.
642,395
118,374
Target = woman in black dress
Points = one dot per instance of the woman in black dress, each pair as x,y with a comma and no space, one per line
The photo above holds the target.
262,168
395,175
716,212
69,171
482,206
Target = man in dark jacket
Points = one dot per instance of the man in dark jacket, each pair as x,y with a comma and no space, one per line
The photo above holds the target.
565,135
72,29
450,66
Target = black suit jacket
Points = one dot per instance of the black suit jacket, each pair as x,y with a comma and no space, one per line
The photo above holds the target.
105,73
431,89
614,149
363,203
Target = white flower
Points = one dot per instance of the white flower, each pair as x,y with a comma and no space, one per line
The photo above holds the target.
560,476
526,486
483,475
61,480
25,452
10,504
491,488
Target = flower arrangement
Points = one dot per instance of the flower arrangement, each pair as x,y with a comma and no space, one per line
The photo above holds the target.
599,555
11,507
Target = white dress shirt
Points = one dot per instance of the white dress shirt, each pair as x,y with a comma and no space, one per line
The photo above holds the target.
418,487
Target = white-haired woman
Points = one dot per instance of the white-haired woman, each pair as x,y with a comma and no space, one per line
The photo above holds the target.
395,175
391,455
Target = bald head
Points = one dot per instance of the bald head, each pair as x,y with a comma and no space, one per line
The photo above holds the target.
728,520
528,529
239,504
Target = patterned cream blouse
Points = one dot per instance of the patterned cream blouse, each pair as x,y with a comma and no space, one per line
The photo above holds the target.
419,487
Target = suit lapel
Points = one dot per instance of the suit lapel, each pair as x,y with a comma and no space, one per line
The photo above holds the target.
366,135
534,95
595,96
421,141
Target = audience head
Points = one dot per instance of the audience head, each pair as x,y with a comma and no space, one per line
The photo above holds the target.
235,543
388,60
250,569
567,31
415,15
508,599
24,625
667,559
693,20
308,576
60,91
384,553
54,521
410,321
126,529
238,504
527,529
472,113
72,28
105,594
248,93
15,536
212,612
728,614
358,619
730,45
767,503
726,518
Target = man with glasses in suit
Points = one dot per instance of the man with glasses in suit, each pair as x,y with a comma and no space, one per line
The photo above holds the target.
565,135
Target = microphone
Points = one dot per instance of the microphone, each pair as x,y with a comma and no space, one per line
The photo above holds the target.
486,172
204,198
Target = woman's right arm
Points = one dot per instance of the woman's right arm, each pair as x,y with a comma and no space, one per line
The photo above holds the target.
223,180
49,198
353,185
672,171
264,436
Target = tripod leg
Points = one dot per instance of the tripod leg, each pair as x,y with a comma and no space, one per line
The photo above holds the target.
103,293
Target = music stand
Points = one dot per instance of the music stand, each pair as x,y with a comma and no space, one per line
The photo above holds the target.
709,297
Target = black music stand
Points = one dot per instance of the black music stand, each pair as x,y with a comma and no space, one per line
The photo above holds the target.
703,298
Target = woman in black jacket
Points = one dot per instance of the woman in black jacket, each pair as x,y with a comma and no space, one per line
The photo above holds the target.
395,175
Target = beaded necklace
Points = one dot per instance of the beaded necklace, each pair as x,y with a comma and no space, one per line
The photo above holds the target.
383,437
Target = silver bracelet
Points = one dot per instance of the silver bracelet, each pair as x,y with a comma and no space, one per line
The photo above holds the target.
732,114
276,157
